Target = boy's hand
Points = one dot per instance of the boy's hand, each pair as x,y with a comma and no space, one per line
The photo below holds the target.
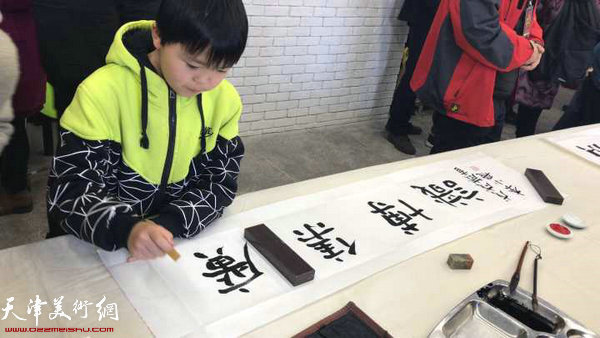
535,58
148,240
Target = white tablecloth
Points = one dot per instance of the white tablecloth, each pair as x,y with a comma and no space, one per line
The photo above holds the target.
408,299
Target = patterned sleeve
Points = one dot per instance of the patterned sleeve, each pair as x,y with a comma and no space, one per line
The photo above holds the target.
79,200
212,188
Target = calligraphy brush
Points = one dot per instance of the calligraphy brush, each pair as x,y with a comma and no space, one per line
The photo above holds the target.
514,281
534,299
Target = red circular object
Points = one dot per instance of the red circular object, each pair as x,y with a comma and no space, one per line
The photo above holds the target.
560,229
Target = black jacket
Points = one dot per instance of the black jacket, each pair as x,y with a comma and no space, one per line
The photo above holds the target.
74,37
418,12
569,41
583,108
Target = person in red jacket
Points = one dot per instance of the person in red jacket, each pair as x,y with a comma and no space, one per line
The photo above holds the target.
469,66
27,101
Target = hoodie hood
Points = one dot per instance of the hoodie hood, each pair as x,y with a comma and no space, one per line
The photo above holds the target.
130,41
130,48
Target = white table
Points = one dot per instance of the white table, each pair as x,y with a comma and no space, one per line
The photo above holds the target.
408,299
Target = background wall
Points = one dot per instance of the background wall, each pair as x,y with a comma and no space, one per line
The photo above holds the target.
311,63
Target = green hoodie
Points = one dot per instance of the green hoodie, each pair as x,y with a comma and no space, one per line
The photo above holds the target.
108,106
137,149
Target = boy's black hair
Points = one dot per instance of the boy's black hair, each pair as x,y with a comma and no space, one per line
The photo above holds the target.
220,25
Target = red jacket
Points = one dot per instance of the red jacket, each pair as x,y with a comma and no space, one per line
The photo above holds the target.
468,43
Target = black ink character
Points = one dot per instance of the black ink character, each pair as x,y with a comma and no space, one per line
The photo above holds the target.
225,265
593,149
502,195
485,176
486,186
448,194
461,171
399,218
322,244
513,189
474,178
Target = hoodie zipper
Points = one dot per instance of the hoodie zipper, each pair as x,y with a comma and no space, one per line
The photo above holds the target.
171,148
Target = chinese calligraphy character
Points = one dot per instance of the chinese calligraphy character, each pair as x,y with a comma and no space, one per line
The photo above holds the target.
486,181
9,308
486,186
58,309
513,189
593,149
36,307
485,176
474,178
226,267
324,245
110,310
461,171
399,218
450,194
502,195
81,305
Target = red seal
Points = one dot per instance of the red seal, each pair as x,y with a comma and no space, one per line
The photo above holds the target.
559,230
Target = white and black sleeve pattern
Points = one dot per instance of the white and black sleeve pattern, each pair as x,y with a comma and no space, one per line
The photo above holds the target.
81,196
211,186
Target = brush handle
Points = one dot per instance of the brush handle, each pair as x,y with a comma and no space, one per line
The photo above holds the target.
534,300
522,257
514,281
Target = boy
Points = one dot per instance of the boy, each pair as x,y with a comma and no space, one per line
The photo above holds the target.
154,133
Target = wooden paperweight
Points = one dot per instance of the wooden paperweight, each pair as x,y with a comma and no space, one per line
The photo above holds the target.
543,186
279,254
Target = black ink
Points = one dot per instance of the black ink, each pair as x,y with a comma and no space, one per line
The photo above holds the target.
593,149
502,195
322,244
228,268
487,182
485,176
448,194
352,247
399,218
514,190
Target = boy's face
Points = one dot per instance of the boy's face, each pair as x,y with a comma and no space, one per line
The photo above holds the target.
187,74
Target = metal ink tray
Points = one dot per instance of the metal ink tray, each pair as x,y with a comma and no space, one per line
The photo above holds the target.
478,317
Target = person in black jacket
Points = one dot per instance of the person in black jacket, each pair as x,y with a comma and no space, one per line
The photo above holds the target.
75,35
419,16
583,108
571,30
